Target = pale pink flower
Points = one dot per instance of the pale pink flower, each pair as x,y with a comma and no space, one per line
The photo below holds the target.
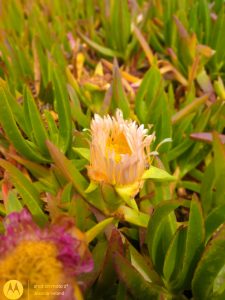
119,152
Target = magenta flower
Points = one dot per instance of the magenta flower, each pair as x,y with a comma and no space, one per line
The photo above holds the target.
46,261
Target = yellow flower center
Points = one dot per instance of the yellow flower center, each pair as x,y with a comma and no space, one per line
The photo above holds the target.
33,263
118,144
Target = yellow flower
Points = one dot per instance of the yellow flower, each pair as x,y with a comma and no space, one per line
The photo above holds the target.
120,150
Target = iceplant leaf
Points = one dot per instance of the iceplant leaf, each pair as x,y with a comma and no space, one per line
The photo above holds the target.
98,254
133,280
44,175
68,169
131,215
211,263
141,264
83,152
157,174
97,229
37,127
16,108
193,246
174,255
105,51
119,99
12,203
63,109
147,94
219,168
206,137
160,230
27,190
108,275
120,24
215,218
9,124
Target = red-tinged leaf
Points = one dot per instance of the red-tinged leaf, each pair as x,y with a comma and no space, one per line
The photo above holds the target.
206,137
68,169
143,266
108,277
144,44
98,254
189,108
134,282
95,230
44,175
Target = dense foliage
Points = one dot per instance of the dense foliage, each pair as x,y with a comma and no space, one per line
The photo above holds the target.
162,63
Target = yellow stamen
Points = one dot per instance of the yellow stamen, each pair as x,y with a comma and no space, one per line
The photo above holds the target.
119,145
33,263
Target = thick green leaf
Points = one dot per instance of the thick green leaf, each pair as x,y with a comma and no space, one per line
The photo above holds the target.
141,264
108,277
132,216
44,175
83,152
27,190
103,50
152,105
68,169
212,261
37,128
219,167
193,248
215,218
190,185
97,229
110,197
174,256
158,175
16,108
119,99
76,111
12,203
161,228
189,108
79,210
9,124
207,190
135,283
53,130
147,93
98,254
120,24
62,106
